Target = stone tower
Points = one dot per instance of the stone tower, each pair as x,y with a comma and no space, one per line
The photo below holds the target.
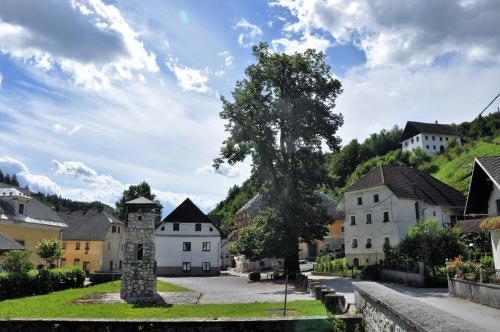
138,283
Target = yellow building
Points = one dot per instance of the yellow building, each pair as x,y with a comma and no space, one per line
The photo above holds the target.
27,220
93,241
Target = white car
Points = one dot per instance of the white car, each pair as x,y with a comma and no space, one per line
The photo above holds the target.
305,265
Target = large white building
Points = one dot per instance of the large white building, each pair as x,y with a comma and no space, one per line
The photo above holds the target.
430,137
188,242
382,205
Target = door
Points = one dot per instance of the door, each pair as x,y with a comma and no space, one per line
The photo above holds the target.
86,267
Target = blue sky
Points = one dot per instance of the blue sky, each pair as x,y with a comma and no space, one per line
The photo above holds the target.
96,95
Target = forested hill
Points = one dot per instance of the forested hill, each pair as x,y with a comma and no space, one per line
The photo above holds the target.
481,137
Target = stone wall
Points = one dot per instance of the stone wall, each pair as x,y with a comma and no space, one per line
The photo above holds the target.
174,325
486,294
387,310
138,282
406,278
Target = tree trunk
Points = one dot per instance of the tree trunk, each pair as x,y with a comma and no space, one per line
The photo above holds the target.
292,261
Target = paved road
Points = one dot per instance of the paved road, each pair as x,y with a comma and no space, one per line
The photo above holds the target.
477,314
234,289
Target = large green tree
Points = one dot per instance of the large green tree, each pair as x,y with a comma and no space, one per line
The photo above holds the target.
135,191
281,115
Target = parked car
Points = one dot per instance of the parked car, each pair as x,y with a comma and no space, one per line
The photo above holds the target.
305,265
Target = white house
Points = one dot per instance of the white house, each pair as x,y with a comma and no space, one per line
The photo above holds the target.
430,137
484,196
188,242
382,205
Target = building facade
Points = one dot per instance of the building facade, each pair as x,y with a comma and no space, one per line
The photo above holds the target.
382,205
27,221
430,137
188,243
92,241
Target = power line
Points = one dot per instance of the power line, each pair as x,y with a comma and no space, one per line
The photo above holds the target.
491,102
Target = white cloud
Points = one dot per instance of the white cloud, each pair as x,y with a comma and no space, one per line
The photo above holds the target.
1,80
44,34
224,170
189,79
291,46
250,33
228,58
59,129
11,166
408,33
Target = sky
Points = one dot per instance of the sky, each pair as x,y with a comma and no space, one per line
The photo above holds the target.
96,95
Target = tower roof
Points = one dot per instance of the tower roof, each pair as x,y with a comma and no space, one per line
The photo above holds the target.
140,201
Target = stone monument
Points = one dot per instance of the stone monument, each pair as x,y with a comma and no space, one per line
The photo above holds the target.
138,283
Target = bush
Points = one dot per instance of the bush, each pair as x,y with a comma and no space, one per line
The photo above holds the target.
16,262
14,285
327,264
254,276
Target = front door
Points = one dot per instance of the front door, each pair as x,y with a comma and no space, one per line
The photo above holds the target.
86,267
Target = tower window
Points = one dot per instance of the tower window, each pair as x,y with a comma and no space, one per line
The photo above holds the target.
21,208
139,252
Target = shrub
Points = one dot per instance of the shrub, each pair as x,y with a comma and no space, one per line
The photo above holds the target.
16,262
40,282
491,223
254,276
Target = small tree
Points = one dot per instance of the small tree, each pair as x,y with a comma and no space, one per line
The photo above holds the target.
49,250
16,262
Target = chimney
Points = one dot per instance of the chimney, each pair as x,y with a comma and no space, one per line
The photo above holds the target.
436,121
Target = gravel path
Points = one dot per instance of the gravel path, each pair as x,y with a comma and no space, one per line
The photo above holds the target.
234,289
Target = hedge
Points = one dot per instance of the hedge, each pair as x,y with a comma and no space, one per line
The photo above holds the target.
40,282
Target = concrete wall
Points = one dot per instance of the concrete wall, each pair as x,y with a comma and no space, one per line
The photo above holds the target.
486,294
406,278
387,310
174,325
113,248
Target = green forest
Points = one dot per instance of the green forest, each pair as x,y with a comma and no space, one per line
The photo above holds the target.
480,137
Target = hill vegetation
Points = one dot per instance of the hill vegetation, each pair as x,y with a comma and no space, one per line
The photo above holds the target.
480,137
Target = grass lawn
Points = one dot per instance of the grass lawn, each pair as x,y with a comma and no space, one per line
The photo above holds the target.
59,305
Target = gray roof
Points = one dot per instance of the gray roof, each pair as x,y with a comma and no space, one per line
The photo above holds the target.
257,203
9,244
35,212
89,225
141,201
411,183
413,128
492,166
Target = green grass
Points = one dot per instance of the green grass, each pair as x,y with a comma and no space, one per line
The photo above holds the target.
455,166
59,305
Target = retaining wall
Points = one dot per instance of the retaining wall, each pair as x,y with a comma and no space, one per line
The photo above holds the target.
387,310
486,294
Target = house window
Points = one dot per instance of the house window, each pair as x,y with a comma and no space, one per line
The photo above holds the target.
86,267
63,262
87,245
139,252
356,261
113,229
163,228
386,216
434,147
197,227
21,242
186,266
406,143
186,246
342,229
206,266
353,220
211,229
21,208
64,245
417,138
433,138
176,227
120,264
417,211
387,240
446,138
441,138
354,242
368,242
426,137
498,206
441,148
76,262
118,229
206,246
427,146
368,218
375,198
77,246
109,245
412,141
360,200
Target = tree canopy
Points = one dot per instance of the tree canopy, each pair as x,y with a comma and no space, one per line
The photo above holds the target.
135,191
281,115
50,251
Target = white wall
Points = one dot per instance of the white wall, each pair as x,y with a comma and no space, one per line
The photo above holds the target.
430,143
169,245
492,201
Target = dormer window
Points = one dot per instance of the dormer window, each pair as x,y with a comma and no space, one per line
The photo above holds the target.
21,208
